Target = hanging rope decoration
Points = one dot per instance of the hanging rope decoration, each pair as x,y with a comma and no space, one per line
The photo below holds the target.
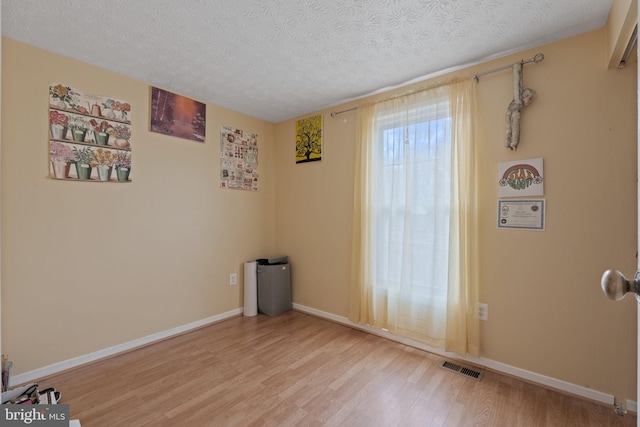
521,98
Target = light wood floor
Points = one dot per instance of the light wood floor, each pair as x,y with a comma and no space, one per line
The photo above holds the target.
298,370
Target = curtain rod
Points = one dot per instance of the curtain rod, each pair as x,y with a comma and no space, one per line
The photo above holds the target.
538,58
629,48
411,92
335,113
400,95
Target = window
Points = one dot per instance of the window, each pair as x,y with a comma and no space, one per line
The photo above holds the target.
413,215
411,204
414,218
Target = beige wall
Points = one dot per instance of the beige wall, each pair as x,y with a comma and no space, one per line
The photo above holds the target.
547,313
113,263
86,266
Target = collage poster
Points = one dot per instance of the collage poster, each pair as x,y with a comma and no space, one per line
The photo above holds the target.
238,159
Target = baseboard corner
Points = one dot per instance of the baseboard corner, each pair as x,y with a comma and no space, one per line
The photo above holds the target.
58,367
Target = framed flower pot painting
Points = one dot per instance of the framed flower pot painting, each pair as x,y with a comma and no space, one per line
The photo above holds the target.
89,136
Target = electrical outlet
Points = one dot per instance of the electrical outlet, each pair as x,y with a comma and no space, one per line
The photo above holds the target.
233,279
483,311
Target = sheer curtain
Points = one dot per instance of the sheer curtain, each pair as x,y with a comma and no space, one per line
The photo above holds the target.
415,233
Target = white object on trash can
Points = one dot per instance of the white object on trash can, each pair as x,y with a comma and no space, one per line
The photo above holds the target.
250,289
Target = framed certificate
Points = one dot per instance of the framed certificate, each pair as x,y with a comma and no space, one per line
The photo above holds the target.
522,214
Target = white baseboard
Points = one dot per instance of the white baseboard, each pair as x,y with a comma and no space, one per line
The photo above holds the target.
487,363
480,361
110,351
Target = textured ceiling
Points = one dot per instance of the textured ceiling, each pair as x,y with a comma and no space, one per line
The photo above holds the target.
278,59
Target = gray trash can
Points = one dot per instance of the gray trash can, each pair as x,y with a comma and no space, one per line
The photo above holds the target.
274,286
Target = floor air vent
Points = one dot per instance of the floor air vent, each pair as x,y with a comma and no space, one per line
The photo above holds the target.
463,370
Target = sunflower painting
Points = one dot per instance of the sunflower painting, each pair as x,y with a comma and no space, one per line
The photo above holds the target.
309,139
